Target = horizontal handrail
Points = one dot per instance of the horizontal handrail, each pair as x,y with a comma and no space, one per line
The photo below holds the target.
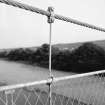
22,85
10,87
78,75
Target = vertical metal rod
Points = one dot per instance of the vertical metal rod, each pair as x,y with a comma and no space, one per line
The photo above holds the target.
50,53
50,21
50,48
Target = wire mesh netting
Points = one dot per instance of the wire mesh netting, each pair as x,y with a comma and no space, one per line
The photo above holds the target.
24,96
89,90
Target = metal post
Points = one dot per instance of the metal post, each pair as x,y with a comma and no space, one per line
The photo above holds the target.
50,21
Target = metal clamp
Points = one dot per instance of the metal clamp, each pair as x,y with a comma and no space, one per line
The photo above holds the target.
50,80
51,16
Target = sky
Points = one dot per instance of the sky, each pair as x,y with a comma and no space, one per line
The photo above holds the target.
21,28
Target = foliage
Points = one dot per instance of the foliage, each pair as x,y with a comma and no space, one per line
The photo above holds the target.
88,57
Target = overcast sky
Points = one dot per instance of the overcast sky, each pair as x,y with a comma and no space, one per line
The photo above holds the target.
20,28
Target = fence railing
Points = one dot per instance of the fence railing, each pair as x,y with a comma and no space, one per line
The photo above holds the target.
79,89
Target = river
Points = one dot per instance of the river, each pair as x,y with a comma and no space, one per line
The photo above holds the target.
13,73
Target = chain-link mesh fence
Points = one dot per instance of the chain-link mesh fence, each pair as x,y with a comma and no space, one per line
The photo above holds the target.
84,90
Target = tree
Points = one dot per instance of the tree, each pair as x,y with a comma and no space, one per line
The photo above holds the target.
61,61
88,57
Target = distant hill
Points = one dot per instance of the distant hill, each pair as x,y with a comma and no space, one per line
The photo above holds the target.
62,46
71,46
9,49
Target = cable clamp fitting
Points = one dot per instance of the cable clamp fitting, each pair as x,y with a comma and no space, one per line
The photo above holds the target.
50,80
51,15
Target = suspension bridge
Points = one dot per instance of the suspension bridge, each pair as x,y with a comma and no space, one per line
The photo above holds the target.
49,97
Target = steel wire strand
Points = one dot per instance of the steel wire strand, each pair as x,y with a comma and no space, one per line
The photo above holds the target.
25,6
67,19
46,13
